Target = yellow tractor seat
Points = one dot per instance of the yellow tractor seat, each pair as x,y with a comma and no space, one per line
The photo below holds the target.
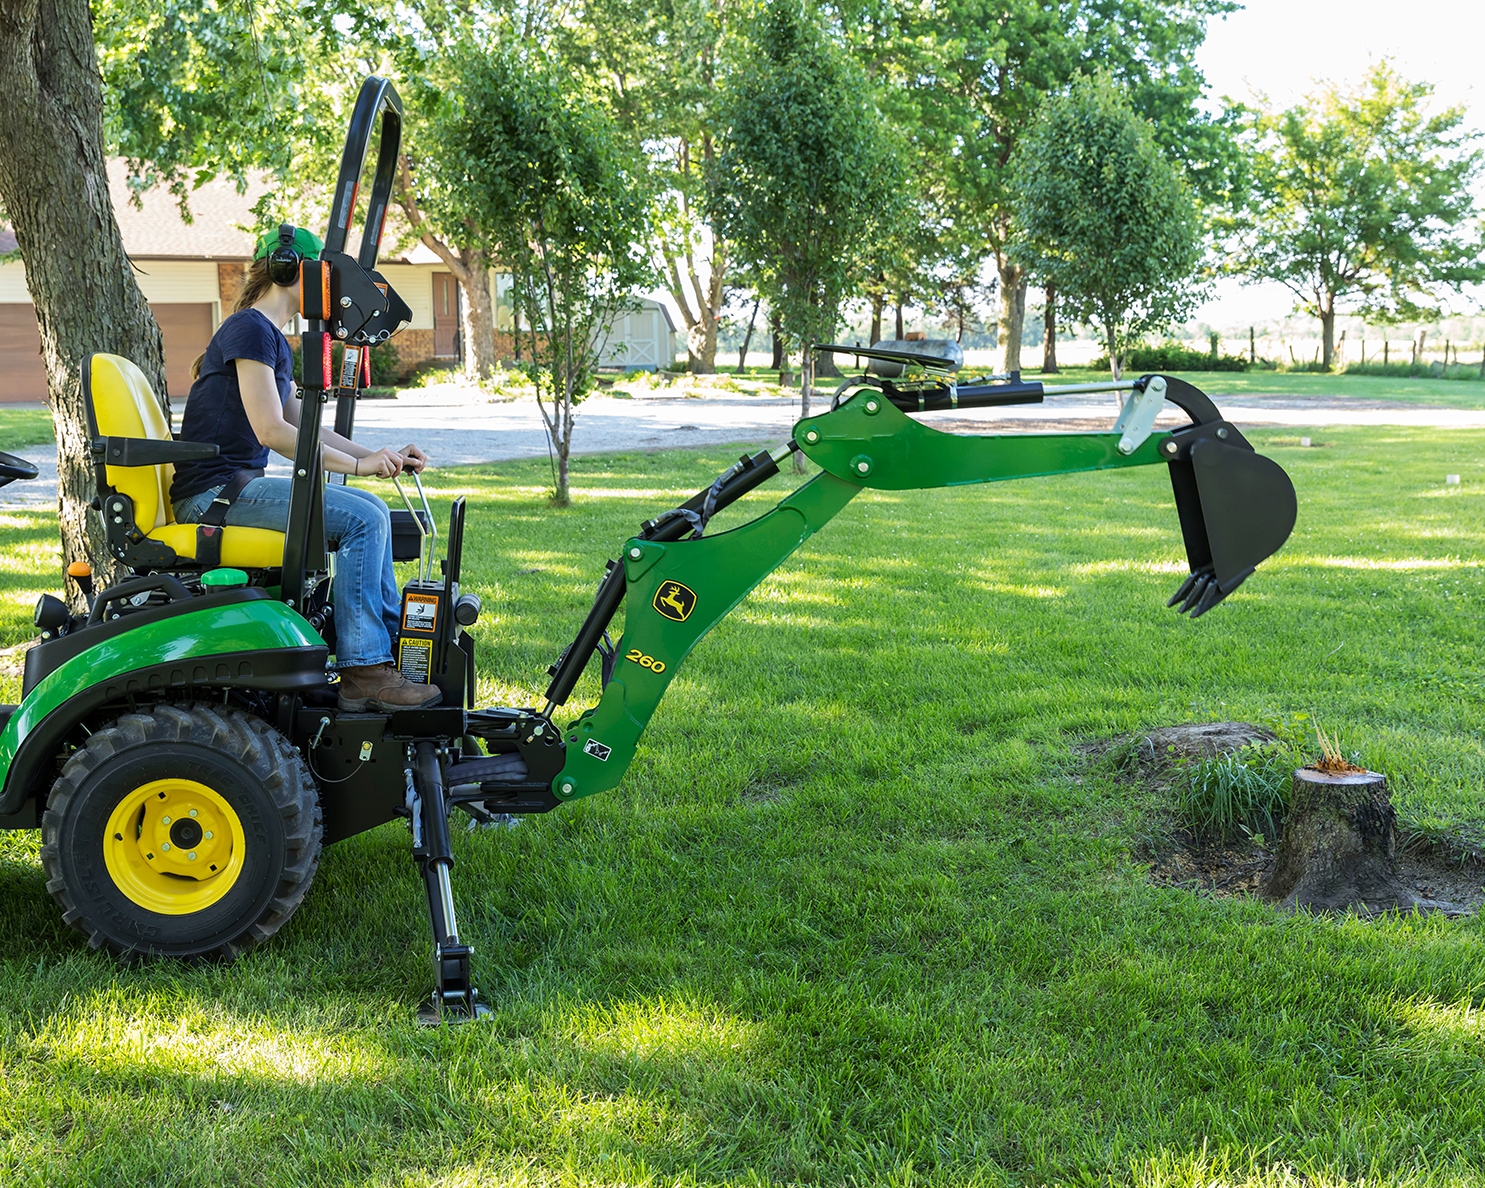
134,480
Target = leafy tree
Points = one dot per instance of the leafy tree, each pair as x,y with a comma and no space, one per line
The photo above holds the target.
560,200
661,63
808,178
965,78
1362,198
200,90
1106,218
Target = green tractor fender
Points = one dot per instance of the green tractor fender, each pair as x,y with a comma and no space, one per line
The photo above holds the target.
239,639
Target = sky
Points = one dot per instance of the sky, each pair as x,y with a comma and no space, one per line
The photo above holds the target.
1279,47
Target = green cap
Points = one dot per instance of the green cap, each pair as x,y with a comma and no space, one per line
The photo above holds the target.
306,243
224,579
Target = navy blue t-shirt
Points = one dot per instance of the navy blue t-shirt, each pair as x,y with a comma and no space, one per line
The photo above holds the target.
214,412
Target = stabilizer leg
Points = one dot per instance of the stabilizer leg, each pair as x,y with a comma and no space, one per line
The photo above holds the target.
455,998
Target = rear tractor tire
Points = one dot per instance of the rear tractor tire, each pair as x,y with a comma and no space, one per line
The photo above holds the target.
190,831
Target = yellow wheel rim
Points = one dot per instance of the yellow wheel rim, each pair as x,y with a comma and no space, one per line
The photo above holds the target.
174,846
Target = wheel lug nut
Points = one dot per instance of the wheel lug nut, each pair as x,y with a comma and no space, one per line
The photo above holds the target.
164,845
207,835
164,820
192,855
193,812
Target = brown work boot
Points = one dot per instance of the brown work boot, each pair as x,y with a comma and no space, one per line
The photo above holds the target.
382,687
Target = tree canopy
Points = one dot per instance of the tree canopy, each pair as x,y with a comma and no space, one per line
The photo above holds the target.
808,180
1107,219
1361,198
532,157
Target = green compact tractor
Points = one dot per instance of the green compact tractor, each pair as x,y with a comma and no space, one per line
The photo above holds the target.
180,745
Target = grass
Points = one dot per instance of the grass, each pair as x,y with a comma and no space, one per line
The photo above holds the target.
21,427
858,914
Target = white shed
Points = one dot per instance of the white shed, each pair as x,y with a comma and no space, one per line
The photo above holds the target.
644,339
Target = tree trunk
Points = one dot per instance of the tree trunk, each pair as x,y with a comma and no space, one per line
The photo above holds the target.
1327,334
742,354
1339,846
477,318
1111,341
877,301
776,363
471,269
1049,331
806,386
898,324
1012,311
702,321
54,189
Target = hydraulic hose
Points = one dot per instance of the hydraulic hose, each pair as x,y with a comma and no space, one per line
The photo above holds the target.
749,473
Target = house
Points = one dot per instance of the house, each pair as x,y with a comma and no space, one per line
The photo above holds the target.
191,273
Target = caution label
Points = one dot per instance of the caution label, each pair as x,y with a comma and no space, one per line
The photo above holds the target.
420,612
415,658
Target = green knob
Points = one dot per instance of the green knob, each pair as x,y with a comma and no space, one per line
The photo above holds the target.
224,579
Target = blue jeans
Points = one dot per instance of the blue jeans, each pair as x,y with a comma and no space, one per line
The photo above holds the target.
368,605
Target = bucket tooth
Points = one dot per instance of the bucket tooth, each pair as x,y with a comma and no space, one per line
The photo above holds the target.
1204,581
1184,588
1210,597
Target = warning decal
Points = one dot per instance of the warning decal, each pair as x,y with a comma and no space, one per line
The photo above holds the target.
420,612
414,659
597,750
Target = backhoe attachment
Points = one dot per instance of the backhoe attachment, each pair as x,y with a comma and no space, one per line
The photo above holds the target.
1236,508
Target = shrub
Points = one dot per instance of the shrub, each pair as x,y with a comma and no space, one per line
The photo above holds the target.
1242,791
1172,356
1309,367
1455,371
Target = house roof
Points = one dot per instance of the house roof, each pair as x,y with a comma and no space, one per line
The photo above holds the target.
220,227
155,228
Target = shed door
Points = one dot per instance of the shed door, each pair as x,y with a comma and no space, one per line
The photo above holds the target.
445,314
186,329
22,373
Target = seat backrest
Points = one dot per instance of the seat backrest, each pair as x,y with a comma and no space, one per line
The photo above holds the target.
121,403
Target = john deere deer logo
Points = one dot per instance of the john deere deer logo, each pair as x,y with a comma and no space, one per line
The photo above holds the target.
675,601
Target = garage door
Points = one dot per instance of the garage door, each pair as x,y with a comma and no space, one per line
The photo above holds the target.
22,373
186,330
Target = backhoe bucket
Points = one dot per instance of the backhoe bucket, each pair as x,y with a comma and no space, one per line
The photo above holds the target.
1237,509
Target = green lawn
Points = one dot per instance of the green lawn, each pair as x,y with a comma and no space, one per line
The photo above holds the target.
21,427
859,913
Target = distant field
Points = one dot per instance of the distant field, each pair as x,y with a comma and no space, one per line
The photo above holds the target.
1446,393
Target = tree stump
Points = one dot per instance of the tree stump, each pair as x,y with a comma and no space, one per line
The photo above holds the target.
1339,848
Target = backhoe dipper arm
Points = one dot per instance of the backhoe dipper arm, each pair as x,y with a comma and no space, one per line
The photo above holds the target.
1236,508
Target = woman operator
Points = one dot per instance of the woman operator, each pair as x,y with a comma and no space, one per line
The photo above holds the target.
241,400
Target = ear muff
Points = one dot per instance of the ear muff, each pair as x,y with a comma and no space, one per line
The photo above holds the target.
283,262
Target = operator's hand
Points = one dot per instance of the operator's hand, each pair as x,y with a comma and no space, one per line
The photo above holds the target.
381,464
413,459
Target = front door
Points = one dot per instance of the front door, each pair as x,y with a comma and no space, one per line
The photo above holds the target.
445,315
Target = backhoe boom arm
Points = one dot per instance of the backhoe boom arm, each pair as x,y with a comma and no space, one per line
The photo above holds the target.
677,589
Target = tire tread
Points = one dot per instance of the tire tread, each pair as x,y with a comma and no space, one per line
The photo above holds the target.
265,752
